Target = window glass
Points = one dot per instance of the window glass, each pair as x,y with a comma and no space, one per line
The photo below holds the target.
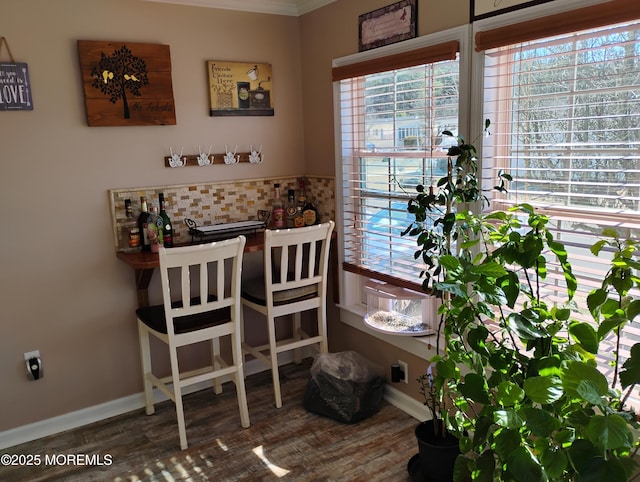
391,131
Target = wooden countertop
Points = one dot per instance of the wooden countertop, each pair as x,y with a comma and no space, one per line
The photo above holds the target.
146,260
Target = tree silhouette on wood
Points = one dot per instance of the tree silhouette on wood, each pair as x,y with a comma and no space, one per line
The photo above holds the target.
118,73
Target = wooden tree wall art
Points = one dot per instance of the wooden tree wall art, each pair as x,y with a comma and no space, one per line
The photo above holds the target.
126,84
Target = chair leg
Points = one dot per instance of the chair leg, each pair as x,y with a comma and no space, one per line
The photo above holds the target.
236,353
273,356
322,328
297,352
177,394
215,353
145,355
241,340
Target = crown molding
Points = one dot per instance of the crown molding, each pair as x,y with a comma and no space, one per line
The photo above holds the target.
293,8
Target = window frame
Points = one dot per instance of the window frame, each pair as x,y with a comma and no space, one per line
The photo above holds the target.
352,281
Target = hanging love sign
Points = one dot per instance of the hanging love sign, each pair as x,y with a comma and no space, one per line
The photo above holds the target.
15,88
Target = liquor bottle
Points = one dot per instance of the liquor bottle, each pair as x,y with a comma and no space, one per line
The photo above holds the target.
309,211
167,229
292,209
143,220
130,234
302,200
154,229
277,209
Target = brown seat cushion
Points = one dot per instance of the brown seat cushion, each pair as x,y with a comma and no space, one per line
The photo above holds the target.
253,290
153,317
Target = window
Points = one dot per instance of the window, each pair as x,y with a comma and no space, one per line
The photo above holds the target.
564,112
391,118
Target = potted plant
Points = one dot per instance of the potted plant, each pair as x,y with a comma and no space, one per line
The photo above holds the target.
517,381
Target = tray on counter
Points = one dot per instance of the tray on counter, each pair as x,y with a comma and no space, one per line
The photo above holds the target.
223,230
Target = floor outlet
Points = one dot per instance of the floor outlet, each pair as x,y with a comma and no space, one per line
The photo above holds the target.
405,370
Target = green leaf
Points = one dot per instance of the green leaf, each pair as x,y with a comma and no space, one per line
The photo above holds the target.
484,467
597,246
489,268
633,309
509,394
447,369
523,467
592,466
482,426
595,299
589,392
524,328
554,463
609,432
474,388
492,294
541,422
460,470
508,418
543,390
630,373
586,336
510,285
578,375
449,262
505,440
476,339
608,325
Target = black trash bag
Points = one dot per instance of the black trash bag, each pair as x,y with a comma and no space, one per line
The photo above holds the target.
344,386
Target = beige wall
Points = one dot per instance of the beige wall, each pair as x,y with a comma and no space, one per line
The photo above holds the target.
62,290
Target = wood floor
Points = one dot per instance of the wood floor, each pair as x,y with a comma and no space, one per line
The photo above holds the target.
288,444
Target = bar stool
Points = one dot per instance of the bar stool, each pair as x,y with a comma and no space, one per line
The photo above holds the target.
295,280
203,306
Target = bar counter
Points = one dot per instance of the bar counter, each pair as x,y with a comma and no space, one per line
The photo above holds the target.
144,264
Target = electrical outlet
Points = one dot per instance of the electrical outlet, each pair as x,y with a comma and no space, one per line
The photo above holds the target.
404,367
33,364
31,354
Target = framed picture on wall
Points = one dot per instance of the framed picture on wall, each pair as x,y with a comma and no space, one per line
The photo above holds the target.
240,88
387,25
488,8
126,83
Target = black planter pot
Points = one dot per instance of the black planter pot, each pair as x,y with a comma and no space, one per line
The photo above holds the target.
436,456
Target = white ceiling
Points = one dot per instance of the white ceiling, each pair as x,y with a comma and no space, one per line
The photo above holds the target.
278,7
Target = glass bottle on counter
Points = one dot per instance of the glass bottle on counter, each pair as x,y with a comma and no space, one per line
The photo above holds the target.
143,221
167,229
291,208
302,200
309,211
277,209
154,230
130,234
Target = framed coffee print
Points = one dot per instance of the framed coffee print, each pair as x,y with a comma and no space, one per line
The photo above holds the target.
240,88
387,25
489,8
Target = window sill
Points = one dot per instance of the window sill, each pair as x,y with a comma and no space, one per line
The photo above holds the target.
421,346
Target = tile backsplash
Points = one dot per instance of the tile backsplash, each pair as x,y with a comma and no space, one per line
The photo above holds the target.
214,202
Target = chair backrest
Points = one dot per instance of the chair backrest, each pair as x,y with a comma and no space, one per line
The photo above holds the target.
201,278
297,258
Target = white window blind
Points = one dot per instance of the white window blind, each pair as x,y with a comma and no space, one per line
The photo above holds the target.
565,116
390,125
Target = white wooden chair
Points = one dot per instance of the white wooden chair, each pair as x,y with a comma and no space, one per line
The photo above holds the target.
204,305
295,280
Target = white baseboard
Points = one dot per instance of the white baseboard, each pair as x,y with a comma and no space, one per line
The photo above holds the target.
79,418
85,416
409,405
